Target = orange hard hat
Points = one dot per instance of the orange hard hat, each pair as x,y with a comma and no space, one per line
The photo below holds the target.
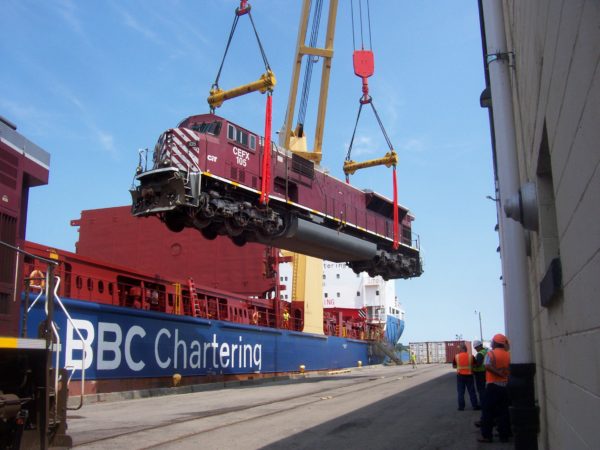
500,339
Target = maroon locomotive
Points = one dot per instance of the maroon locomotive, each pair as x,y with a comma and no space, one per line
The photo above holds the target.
206,174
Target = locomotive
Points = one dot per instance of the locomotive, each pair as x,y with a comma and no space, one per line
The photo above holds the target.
206,173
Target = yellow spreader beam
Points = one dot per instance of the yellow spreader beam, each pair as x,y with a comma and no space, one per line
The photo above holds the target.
265,83
390,159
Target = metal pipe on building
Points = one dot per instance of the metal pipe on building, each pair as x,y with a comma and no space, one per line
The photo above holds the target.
517,312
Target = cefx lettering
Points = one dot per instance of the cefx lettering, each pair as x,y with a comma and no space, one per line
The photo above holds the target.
241,156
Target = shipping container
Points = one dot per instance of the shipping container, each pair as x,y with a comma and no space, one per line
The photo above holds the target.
429,352
452,348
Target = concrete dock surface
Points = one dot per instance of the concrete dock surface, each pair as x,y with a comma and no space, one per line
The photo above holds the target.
373,407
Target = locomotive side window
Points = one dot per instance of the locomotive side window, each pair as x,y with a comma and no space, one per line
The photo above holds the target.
241,137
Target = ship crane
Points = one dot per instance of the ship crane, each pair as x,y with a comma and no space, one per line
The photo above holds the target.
295,139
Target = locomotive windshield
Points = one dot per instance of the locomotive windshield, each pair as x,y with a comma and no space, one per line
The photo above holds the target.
213,128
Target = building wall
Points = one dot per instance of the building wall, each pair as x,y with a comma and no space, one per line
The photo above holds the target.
556,100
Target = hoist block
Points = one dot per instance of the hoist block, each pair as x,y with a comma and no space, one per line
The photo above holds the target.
265,83
390,159
364,63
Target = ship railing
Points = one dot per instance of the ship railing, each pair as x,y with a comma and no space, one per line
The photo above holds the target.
83,349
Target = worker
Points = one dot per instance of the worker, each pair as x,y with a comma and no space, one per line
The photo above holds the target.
37,279
479,368
286,319
255,317
413,360
496,400
463,363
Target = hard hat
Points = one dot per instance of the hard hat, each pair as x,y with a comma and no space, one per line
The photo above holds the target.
500,339
477,343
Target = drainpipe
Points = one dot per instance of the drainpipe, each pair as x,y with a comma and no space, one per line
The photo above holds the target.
517,313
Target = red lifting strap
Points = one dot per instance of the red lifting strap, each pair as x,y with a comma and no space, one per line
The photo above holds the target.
396,224
266,161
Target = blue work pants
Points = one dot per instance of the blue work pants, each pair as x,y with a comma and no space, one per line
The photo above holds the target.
462,382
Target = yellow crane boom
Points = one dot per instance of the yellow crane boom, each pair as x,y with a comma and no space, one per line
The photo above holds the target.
296,140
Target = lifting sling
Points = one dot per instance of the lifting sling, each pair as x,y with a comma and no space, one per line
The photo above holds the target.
264,84
266,81
364,66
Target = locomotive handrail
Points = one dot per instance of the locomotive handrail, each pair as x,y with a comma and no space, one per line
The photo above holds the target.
36,299
83,348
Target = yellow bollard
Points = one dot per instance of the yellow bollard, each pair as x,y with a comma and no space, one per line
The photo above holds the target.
176,379
359,364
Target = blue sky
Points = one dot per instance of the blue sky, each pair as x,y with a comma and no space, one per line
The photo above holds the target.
93,82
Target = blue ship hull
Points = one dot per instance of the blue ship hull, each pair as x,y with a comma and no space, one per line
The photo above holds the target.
130,343
393,329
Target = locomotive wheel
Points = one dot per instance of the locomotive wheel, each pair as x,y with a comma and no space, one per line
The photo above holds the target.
210,232
232,228
200,222
207,211
174,221
241,219
240,240
268,228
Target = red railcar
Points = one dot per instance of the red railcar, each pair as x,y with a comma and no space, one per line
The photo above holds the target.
22,165
207,174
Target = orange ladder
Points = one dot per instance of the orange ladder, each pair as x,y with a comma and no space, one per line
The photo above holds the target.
194,301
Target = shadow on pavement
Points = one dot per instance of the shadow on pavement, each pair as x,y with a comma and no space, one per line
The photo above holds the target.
423,417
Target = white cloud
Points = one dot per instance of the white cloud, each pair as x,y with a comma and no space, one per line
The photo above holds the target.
414,145
107,141
67,9
363,145
132,23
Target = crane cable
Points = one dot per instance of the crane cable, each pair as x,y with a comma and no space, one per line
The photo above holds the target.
364,67
242,10
308,69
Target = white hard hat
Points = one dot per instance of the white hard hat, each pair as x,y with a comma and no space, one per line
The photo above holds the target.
477,343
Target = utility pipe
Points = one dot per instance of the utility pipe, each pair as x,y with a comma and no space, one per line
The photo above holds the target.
512,238
517,312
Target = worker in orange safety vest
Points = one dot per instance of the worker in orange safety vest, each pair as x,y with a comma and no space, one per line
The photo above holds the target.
496,400
463,363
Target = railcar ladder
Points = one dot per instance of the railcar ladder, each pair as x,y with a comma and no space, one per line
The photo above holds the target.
194,301
178,299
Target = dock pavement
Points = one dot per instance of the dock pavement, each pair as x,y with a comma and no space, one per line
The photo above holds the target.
371,407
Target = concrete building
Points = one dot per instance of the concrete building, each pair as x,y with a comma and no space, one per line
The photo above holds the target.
552,62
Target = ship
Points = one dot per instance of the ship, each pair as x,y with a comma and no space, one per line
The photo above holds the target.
179,313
